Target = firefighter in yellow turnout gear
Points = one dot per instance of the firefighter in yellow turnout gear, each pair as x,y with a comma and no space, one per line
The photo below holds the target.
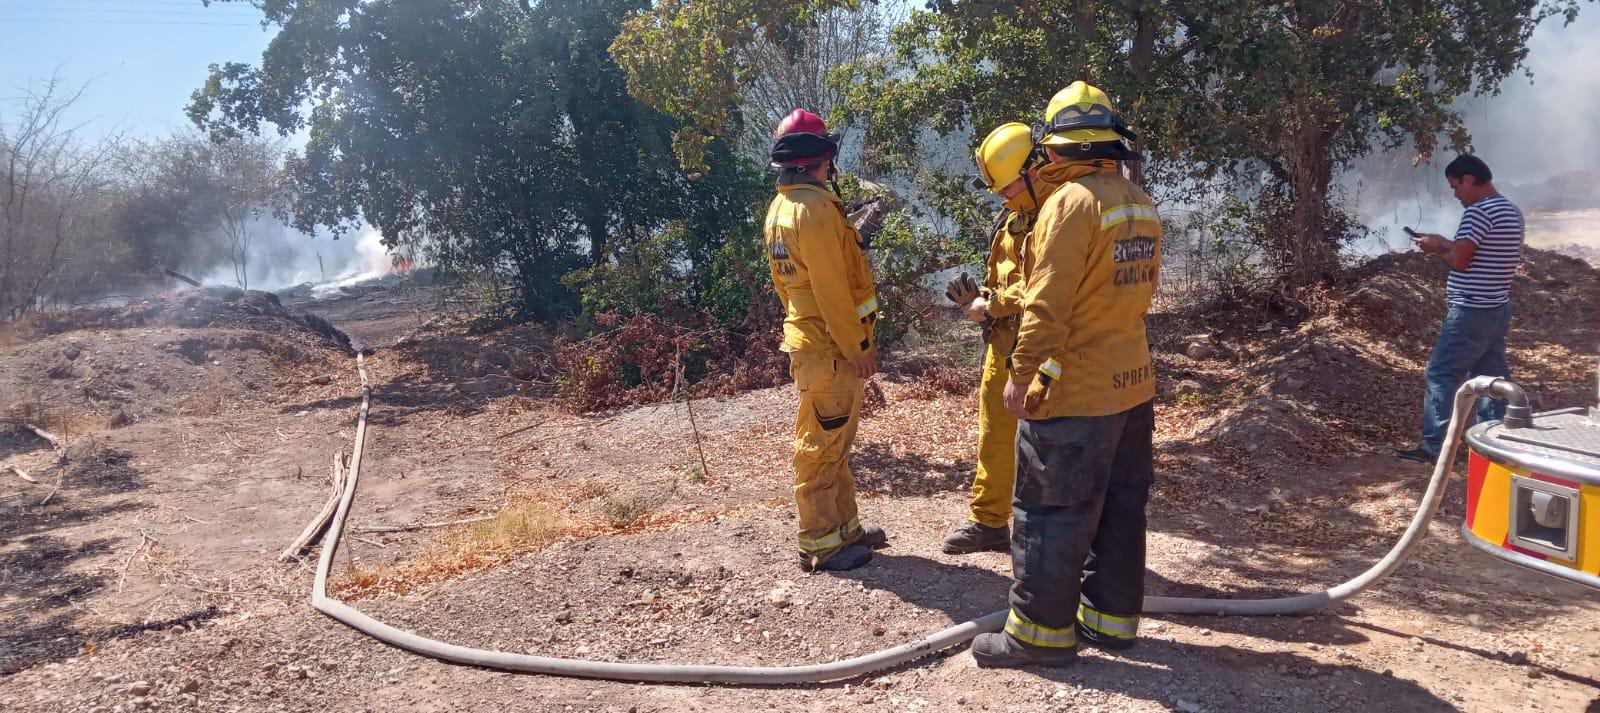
1008,164
1082,383
819,267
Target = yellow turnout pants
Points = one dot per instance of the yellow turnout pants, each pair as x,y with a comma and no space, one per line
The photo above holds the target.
997,437
824,430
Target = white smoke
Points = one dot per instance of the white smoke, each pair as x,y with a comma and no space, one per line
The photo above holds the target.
1538,136
279,257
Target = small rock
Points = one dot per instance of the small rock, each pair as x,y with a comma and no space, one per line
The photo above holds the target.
139,688
1283,670
190,687
1188,387
780,596
564,618
1188,706
1060,694
1517,658
1199,350
114,679
1535,672
878,630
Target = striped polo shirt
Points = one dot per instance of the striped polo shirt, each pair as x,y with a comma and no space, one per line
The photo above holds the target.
1495,225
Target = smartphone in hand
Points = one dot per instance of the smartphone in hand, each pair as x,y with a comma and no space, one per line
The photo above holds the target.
1409,231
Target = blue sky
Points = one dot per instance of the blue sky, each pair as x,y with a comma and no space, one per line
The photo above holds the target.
141,58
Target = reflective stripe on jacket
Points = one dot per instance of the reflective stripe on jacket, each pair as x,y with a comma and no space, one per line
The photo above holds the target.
1090,270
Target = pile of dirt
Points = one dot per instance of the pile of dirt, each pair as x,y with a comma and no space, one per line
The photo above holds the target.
1260,388
199,352
207,307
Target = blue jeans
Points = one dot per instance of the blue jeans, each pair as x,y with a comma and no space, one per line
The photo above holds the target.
1472,342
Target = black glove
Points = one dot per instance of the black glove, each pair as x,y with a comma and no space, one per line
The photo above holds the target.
962,289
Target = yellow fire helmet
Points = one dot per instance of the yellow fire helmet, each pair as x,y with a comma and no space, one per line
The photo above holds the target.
1004,156
1081,114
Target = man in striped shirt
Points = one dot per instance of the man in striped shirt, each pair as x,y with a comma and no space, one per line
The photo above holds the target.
1472,341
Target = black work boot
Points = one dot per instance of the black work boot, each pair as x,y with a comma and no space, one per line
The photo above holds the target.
874,537
843,560
1001,651
972,537
1101,641
1419,454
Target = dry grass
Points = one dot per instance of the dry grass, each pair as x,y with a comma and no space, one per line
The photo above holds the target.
63,423
522,526
527,525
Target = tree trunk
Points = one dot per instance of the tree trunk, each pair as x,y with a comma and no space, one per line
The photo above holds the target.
1141,55
1313,254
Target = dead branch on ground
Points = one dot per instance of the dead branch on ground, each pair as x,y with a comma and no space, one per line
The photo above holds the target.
528,427
180,276
144,541
319,523
52,493
22,474
419,525
55,441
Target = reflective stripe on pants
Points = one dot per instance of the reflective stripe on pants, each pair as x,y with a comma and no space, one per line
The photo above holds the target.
1099,622
1025,630
824,430
1079,516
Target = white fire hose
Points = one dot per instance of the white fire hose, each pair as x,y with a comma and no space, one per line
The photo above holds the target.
1465,398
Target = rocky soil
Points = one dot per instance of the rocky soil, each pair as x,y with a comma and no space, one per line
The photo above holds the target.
148,580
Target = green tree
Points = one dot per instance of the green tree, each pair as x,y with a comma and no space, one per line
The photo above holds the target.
493,136
1271,97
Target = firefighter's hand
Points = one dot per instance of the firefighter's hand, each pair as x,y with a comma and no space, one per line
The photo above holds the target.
866,365
1016,394
975,310
961,289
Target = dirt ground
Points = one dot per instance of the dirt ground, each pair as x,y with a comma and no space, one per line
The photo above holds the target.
142,573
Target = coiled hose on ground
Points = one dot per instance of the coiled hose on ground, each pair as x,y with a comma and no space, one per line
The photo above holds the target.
1465,398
